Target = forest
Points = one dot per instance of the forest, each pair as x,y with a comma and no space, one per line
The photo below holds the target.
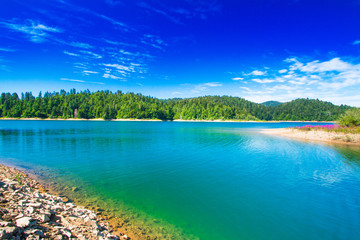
119,105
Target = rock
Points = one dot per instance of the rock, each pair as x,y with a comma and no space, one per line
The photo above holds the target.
35,205
42,215
43,218
66,233
30,210
7,232
5,224
19,216
59,237
23,222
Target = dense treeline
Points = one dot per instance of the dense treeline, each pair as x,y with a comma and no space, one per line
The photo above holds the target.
109,105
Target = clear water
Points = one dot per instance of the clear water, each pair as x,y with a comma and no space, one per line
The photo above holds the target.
213,180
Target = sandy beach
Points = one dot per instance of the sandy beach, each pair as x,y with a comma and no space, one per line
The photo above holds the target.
316,135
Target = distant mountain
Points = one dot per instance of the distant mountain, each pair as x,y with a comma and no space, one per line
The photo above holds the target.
272,103
308,110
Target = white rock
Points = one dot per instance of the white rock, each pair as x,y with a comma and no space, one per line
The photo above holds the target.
35,205
23,222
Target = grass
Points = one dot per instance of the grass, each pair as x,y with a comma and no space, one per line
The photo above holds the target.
330,128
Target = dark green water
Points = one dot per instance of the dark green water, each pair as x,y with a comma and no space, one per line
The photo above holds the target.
213,180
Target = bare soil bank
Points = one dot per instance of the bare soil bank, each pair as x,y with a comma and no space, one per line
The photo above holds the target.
316,135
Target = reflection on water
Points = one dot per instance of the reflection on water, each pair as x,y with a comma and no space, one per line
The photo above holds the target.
212,180
350,153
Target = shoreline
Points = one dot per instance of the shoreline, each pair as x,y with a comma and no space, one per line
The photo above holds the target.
315,135
29,211
158,120
122,223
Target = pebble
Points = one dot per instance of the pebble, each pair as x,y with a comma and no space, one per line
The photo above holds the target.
25,213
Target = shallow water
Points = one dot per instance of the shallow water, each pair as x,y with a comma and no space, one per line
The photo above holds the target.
212,180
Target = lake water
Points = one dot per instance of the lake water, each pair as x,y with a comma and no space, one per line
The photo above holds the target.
208,180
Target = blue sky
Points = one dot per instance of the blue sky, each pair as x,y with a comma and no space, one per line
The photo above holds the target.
257,49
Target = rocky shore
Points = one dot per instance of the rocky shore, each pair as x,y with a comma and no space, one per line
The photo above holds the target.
28,212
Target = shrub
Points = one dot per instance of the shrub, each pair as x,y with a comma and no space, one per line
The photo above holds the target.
351,118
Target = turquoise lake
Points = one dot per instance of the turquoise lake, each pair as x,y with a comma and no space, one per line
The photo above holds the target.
212,180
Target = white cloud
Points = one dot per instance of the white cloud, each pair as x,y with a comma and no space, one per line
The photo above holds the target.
313,79
356,42
71,54
119,67
110,76
87,72
92,54
265,80
101,83
335,64
237,78
72,80
37,32
257,73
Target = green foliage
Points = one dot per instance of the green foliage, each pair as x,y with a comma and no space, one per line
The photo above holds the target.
109,105
351,118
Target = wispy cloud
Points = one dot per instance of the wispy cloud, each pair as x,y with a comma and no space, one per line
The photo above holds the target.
80,45
7,50
107,75
204,86
356,42
154,41
92,54
71,54
72,80
77,8
119,67
87,72
159,11
237,78
35,31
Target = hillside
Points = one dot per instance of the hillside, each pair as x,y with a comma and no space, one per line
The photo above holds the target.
109,105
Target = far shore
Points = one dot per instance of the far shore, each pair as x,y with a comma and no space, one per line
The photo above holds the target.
156,120
316,135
